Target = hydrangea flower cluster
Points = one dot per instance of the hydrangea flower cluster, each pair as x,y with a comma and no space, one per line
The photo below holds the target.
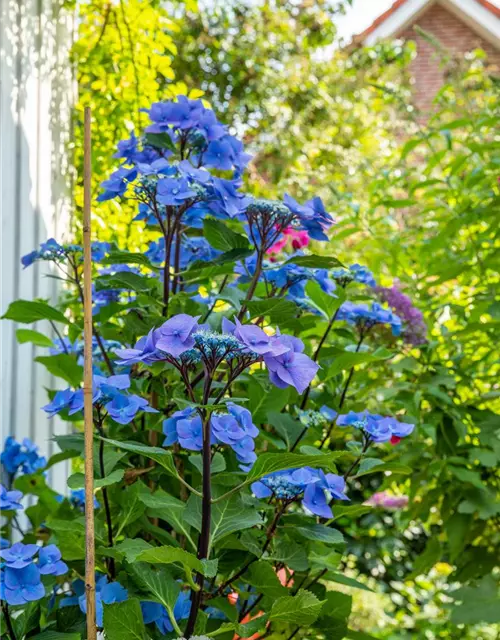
22,456
234,428
155,612
415,329
365,317
10,500
107,393
50,250
377,428
316,487
312,418
106,593
21,576
282,354
385,500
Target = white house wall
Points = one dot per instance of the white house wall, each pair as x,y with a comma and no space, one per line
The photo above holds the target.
35,96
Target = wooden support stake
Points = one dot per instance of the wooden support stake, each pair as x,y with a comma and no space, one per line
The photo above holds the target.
87,387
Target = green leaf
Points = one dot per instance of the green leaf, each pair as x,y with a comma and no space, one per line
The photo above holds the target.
77,480
288,427
302,609
201,266
123,621
125,280
271,462
161,456
56,635
479,604
275,308
467,476
426,560
63,366
170,509
315,262
322,533
61,457
228,516
28,311
327,304
262,576
37,338
132,547
340,578
217,465
350,359
290,553
221,237
161,585
126,257
394,467
131,506
173,555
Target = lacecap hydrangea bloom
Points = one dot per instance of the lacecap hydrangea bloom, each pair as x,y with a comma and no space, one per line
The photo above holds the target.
108,393
155,612
10,500
315,487
378,428
365,317
106,593
182,335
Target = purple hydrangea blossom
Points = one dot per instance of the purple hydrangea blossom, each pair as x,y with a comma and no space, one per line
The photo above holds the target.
176,335
293,368
144,350
414,327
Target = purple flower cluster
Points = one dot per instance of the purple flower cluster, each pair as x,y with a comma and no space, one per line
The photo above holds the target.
234,428
377,428
107,393
282,354
20,577
316,487
365,317
22,455
387,501
414,327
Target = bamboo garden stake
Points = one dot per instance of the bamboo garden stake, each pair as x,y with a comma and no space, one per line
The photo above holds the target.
87,388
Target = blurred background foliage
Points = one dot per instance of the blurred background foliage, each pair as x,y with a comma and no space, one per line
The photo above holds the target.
416,199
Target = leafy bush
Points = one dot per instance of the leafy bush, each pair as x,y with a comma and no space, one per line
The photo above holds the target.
227,437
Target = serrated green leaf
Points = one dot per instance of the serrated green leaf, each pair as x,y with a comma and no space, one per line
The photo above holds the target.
77,480
322,533
174,555
169,509
394,467
161,456
262,576
123,621
315,262
221,237
302,609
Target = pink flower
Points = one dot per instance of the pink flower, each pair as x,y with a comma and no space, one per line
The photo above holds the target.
385,501
297,239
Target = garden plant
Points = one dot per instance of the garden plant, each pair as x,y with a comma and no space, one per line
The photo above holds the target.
229,445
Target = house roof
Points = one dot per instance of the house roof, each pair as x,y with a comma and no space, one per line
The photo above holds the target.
481,15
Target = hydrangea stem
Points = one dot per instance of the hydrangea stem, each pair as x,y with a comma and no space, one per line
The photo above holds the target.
253,283
8,621
206,509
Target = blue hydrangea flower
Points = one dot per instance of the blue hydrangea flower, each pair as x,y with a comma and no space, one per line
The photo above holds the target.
362,274
366,317
158,167
20,586
176,335
77,499
227,199
24,455
315,486
173,192
50,562
62,400
155,612
19,555
377,427
49,250
10,500
123,408
293,368
100,250
117,183
106,593
312,216
144,350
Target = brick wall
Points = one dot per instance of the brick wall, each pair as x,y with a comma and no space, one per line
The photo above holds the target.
455,35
